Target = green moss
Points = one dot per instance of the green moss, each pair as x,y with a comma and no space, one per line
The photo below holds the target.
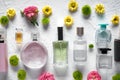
14,60
45,21
86,10
77,75
116,77
4,20
91,46
21,74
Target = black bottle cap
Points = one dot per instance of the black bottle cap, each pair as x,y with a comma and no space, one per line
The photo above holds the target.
1,39
104,50
60,33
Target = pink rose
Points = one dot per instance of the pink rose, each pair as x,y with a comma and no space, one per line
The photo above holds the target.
46,76
94,75
31,14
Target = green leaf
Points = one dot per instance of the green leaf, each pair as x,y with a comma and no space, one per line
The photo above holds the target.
22,14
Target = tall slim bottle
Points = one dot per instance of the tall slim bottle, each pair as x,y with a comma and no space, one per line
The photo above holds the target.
3,56
117,49
80,48
60,55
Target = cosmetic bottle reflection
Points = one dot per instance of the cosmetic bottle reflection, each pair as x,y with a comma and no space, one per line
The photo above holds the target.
60,48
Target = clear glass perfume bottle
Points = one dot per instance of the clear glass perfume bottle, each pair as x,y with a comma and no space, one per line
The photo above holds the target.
103,36
60,55
19,35
104,60
80,47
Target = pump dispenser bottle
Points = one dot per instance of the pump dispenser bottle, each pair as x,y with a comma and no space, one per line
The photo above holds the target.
117,49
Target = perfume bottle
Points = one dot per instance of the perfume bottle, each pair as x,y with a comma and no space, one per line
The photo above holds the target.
80,47
19,35
104,60
103,36
117,50
34,54
60,55
3,55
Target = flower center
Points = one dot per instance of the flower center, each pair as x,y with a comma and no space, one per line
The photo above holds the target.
115,19
10,11
100,8
68,20
73,4
47,10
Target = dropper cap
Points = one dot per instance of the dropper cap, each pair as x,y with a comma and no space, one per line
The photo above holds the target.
103,26
60,33
104,50
80,31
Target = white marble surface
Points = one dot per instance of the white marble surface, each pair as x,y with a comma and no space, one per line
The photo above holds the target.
47,36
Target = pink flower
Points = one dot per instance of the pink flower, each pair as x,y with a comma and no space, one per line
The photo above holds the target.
46,76
31,14
94,75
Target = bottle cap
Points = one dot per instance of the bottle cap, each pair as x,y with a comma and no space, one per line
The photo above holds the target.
35,36
80,31
60,33
104,50
103,26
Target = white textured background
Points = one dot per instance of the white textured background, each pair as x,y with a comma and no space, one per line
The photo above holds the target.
47,36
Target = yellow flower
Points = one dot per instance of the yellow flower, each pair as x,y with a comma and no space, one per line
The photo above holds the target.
68,21
73,5
11,12
100,9
47,10
115,19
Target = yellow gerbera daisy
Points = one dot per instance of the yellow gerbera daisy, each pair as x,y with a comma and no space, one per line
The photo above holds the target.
100,9
73,5
115,19
47,10
11,12
68,21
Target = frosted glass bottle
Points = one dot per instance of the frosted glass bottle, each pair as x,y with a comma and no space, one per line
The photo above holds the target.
80,48
60,55
103,36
